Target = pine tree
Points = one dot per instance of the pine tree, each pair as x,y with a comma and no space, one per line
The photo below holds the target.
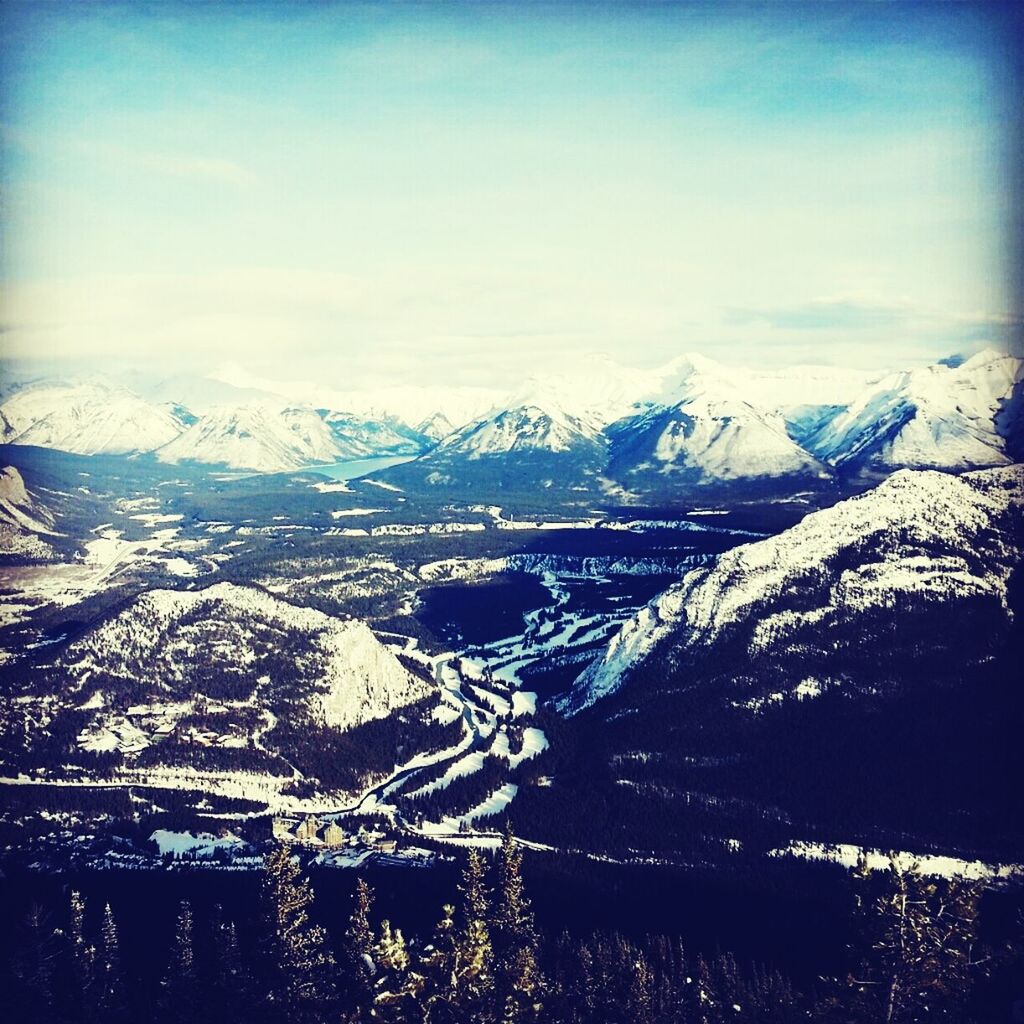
518,977
299,953
397,988
111,997
359,935
389,950
925,952
180,997
641,991
232,988
437,968
474,954
359,966
34,966
83,956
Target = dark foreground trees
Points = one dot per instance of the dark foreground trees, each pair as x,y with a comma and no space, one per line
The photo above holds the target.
918,958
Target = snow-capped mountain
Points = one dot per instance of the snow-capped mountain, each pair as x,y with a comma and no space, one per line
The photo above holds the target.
411,405
691,422
531,442
535,419
706,431
924,543
88,418
435,426
938,416
262,439
388,436
258,653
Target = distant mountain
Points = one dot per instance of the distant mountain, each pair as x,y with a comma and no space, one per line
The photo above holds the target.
691,424
706,432
942,416
372,437
435,426
785,615
89,418
409,404
262,439
532,442
194,392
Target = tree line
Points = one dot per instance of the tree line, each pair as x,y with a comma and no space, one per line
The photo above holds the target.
917,957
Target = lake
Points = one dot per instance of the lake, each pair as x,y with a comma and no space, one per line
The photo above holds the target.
354,468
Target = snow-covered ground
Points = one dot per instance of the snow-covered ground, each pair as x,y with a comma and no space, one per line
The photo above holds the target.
926,864
67,583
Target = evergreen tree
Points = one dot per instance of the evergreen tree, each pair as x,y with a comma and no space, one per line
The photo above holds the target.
111,997
474,954
397,988
232,987
34,968
390,953
518,976
300,958
83,956
641,991
437,967
180,997
925,952
359,966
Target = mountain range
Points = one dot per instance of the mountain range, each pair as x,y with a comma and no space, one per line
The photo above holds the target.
938,544
689,423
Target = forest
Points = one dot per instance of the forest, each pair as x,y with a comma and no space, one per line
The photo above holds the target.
919,951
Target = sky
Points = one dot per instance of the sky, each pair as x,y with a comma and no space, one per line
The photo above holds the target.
467,193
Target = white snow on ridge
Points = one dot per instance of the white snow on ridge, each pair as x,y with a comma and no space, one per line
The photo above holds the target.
926,864
342,513
257,438
359,679
88,418
937,416
938,513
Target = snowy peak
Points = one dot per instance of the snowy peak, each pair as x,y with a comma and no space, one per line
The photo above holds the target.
941,542
435,427
410,405
88,419
707,432
363,438
938,416
533,422
259,438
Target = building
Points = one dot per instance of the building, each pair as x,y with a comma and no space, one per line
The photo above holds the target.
334,834
307,830
281,828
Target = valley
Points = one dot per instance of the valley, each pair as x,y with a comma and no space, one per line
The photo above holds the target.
184,649
716,676
488,611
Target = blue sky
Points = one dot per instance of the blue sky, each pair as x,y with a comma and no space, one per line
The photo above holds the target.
464,192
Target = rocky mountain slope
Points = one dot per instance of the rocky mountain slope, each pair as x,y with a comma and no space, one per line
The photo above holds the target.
930,545
261,439
939,416
690,424
25,524
707,432
239,645
88,418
